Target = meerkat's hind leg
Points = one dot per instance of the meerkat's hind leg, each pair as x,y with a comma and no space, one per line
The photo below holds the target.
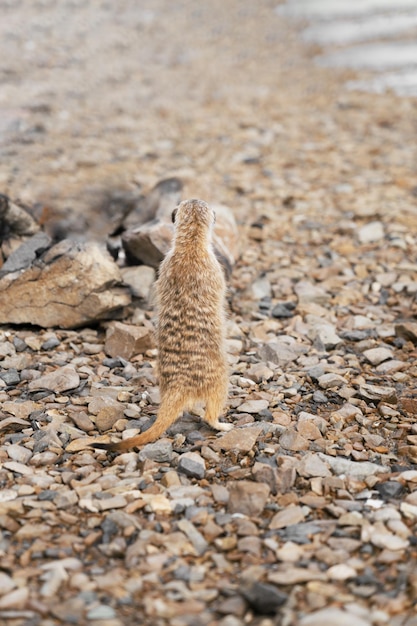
214,408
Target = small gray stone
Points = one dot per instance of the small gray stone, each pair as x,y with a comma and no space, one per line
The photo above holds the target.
356,469
311,465
11,377
26,253
282,350
331,381
283,310
261,288
253,406
264,598
160,451
18,453
101,612
191,464
377,355
308,292
325,334
61,379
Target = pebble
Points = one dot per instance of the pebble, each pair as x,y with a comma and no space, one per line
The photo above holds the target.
247,498
378,394
126,340
341,572
371,232
265,599
377,355
160,451
331,381
325,335
139,279
333,617
6,584
59,380
101,612
192,464
311,465
108,416
239,439
287,517
293,441
15,599
355,469
389,489
19,453
18,468
196,538
253,406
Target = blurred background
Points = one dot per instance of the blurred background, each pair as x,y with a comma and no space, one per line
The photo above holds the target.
102,97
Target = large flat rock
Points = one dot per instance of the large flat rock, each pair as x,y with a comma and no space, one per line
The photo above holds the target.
69,286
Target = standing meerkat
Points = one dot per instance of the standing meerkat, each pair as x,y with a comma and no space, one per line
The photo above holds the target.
190,297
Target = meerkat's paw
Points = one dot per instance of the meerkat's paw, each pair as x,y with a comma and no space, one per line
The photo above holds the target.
222,426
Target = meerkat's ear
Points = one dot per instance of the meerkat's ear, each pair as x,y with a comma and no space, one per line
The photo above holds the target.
173,215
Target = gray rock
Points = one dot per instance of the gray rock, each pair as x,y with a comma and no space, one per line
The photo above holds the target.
11,377
265,599
356,469
26,253
253,406
331,381
283,349
283,310
377,355
196,538
191,464
311,465
324,334
308,292
160,451
261,288
61,379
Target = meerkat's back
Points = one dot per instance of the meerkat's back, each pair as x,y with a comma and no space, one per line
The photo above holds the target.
190,297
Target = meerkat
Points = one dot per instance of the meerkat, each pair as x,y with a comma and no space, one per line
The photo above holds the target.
190,298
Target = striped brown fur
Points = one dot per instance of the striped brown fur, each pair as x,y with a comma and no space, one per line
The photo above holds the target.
190,297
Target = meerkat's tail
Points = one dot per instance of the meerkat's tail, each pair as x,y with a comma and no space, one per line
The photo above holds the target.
169,411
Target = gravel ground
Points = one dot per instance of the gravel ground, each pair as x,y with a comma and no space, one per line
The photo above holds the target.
305,513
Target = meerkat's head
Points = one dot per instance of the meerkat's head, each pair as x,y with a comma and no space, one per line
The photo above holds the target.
193,213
